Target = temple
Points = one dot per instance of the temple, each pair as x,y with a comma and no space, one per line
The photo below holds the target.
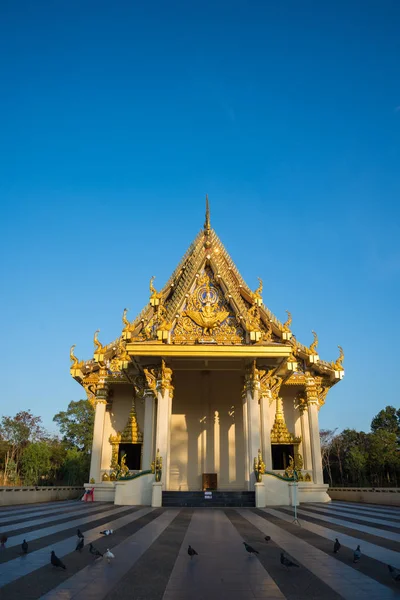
205,384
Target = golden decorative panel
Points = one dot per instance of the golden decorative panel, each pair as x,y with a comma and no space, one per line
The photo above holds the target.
207,317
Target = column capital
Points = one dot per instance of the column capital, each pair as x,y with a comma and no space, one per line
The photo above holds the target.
101,395
252,378
270,384
164,380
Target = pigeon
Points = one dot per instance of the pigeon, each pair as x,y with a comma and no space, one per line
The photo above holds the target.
80,534
94,551
357,554
55,561
395,573
286,562
336,546
267,538
80,544
3,540
250,549
109,556
24,547
107,532
192,552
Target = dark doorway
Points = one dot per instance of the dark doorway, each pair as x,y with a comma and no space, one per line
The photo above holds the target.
280,455
133,452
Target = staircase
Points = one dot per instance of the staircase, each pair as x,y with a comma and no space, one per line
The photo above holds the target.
217,499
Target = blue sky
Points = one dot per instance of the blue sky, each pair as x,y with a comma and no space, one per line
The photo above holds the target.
116,120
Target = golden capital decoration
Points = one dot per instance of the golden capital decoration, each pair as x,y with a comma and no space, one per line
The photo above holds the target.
150,374
164,379
253,377
270,384
311,388
102,395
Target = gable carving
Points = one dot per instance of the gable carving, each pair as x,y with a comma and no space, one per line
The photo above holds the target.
207,317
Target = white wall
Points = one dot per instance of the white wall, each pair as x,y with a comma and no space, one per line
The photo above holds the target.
200,442
386,496
30,495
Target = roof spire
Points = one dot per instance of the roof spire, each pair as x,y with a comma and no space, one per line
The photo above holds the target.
207,226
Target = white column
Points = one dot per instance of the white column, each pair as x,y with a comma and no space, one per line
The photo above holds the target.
246,443
253,424
148,433
216,468
97,444
305,438
266,430
163,432
315,441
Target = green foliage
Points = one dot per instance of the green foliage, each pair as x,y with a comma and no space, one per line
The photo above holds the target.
387,419
357,458
36,463
76,425
16,433
75,468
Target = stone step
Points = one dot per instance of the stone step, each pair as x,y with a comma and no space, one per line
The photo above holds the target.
217,499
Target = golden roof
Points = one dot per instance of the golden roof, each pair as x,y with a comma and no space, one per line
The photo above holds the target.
206,300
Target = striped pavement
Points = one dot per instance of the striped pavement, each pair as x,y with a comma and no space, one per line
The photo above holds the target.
151,560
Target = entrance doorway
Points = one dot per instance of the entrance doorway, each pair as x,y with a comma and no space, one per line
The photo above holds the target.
133,454
280,456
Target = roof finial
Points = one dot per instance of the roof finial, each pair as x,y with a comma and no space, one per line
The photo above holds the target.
207,226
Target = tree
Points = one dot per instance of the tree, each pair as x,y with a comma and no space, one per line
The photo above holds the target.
16,432
35,462
387,419
75,468
327,436
76,425
384,459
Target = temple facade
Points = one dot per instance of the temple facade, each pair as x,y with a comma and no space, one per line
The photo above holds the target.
205,381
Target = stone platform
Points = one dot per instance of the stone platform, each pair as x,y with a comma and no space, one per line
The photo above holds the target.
151,561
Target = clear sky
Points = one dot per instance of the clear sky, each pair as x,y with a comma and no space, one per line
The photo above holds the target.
117,118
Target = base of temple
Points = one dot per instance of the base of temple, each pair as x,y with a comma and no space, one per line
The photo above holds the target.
143,491
313,492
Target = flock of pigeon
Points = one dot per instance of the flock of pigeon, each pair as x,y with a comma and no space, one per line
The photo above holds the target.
57,562
286,562
108,555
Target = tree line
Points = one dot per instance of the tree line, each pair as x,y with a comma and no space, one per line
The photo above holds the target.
29,455
359,459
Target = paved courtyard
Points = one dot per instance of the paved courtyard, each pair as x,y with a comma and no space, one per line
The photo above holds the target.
151,560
